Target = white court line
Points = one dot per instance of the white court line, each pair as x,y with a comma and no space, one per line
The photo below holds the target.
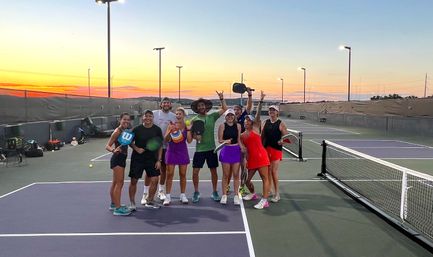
126,234
19,189
247,231
95,159
392,147
174,180
421,145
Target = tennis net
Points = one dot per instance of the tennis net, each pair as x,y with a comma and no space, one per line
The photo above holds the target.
402,195
295,146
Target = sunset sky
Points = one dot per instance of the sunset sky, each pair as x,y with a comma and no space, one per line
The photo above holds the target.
49,45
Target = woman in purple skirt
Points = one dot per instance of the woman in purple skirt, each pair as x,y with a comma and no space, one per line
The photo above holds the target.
177,154
230,155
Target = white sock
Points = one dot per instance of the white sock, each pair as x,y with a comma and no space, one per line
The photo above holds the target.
168,195
146,190
161,188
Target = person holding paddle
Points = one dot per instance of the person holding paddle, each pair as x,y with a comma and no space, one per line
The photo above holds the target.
273,130
177,154
230,156
205,145
120,138
256,155
240,115
146,156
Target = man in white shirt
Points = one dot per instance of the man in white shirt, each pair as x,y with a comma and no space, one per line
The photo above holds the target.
161,118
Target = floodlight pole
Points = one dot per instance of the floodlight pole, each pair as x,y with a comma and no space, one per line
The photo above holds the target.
348,79
179,67
159,49
108,42
282,90
305,79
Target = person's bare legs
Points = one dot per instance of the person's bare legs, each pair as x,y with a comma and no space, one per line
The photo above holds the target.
132,190
182,178
116,191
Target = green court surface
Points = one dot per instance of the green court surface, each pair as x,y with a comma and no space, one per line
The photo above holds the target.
313,218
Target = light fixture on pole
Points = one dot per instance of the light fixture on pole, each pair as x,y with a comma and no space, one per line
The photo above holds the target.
179,67
305,78
350,63
159,49
108,40
282,90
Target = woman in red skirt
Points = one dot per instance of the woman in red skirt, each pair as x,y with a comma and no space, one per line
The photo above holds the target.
256,155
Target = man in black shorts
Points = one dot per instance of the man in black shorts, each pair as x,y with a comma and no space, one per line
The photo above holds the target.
205,148
143,159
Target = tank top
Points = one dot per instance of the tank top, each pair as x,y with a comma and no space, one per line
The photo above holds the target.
271,134
123,149
231,132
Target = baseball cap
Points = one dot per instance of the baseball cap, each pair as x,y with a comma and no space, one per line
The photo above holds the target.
250,117
230,111
148,111
274,107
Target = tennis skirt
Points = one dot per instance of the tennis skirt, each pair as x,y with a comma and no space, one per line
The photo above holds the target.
230,154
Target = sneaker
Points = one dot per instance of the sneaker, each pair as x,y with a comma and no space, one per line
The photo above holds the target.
196,197
236,200
276,198
249,197
183,199
215,196
223,199
121,211
161,195
112,207
262,204
167,200
152,205
132,207
144,199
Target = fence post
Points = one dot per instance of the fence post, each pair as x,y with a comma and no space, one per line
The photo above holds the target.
25,106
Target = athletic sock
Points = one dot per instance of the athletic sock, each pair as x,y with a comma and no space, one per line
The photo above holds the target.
146,190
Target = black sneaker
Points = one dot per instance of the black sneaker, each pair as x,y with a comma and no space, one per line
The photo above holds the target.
152,205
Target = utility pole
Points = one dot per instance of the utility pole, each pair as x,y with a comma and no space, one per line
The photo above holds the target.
425,86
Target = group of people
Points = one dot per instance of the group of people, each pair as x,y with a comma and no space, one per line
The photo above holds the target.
248,143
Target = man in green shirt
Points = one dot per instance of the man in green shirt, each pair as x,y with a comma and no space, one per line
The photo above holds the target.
206,145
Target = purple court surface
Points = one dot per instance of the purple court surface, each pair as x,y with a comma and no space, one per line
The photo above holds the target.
72,219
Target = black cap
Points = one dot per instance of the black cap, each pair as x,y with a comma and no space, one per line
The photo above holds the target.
148,111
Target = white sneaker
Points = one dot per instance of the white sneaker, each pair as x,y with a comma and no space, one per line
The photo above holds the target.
183,199
249,197
223,199
132,207
161,195
262,204
236,200
276,198
144,199
167,200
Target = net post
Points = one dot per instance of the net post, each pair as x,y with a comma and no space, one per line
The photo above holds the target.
300,147
403,201
323,168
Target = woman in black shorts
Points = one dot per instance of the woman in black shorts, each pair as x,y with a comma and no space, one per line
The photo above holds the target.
118,164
